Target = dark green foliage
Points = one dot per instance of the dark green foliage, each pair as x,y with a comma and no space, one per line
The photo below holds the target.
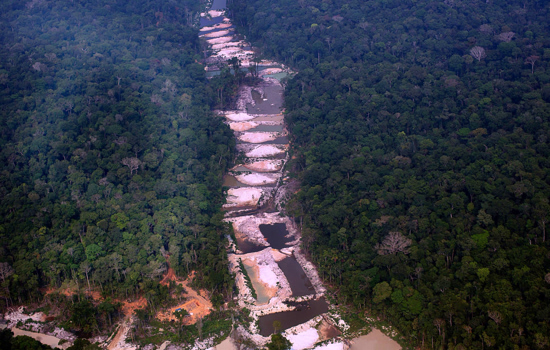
397,128
247,279
111,159
278,342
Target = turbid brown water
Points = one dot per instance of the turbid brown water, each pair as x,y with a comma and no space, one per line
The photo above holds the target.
288,319
276,235
246,246
299,283
262,294
231,181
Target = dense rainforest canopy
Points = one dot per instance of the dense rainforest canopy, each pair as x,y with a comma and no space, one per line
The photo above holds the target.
421,132
111,159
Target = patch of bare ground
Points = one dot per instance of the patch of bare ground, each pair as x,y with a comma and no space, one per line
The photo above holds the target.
265,165
327,331
198,305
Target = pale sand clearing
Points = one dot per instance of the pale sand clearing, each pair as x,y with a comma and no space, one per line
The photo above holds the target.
277,255
243,196
264,151
223,39
331,346
227,344
43,338
226,45
229,53
303,340
257,179
265,165
215,13
216,34
258,137
375,340
216,26
243,126
269,71
238,117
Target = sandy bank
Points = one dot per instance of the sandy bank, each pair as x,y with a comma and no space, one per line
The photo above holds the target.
243,126
265,151
43,338
244,196
220,40
375,340
239,116
265,165
258,179
216,26
216,34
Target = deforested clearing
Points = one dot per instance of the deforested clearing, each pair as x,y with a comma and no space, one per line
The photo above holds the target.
265,165
264,151
239,116
243,196
43,338
331,346
303,340
234,53
269,71
258,137
216,34
223,39
243,126
217,26
215,13
226,45
257,179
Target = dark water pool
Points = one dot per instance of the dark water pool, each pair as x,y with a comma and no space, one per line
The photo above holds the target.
273,104
264,127
218,5
205,22
303,313
283,140
231,181
246,246
299,283
276,235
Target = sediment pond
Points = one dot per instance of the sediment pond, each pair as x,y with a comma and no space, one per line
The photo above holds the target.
299,283
303,313
276,235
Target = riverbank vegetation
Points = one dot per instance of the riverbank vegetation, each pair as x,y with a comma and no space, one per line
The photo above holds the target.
421,134
111,159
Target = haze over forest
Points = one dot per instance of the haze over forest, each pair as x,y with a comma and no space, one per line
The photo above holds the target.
419,143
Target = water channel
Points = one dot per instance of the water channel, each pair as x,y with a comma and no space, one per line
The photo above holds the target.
289,293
